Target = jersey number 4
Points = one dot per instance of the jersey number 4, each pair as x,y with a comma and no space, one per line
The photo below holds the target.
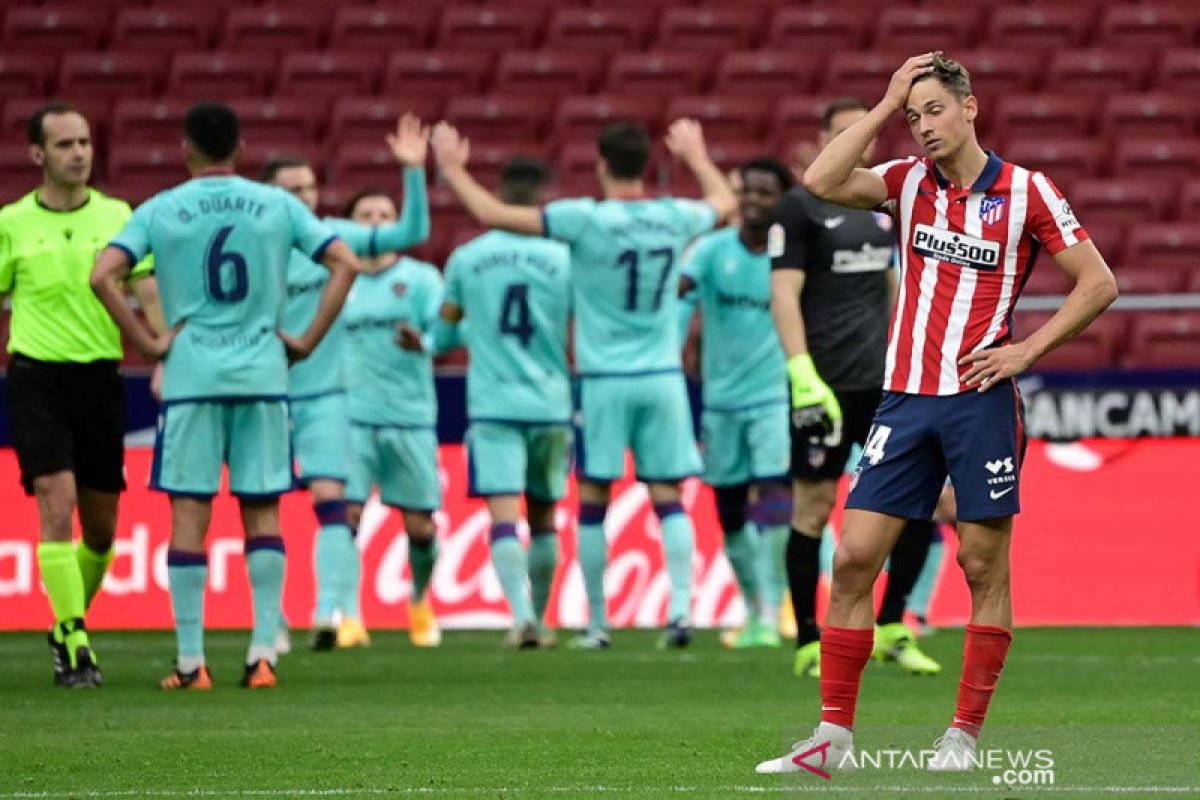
226,277
631,260
515,319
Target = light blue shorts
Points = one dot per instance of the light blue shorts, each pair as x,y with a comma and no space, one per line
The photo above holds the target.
518,458
196,437
647,414
321,437
747,444
401,461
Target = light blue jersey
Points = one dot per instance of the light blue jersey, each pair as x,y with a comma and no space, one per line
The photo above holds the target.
388,385
222,245
322,371
625,265
741,360
516,294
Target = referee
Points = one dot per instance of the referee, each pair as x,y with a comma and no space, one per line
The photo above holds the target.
832,289
66,401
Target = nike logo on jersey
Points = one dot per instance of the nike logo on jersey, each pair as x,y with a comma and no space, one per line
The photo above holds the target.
997,495
834,222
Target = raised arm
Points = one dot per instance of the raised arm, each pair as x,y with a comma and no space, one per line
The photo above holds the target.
685,140
451,152
108,277
835,175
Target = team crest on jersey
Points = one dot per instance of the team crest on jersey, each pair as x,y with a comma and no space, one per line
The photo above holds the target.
399,289
991,209
884,221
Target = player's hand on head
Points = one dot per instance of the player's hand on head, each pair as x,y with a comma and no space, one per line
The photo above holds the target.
989,367
449,147
902,79
297,349
409,338
685,139
410,142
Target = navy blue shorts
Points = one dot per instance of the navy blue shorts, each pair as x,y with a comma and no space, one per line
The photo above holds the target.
917,440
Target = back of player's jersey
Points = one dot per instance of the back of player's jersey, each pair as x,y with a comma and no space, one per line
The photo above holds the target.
221,246
516,294
625,266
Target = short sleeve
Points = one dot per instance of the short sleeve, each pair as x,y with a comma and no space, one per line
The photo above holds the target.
134,238
1051,221
696,258
309,234
453,276
893,174
144,268
696,216
566,220
7,268
789,233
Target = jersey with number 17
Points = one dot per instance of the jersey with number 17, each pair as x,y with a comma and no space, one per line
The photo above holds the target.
221,246
625,266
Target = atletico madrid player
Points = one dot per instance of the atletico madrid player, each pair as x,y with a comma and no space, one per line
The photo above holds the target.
969,226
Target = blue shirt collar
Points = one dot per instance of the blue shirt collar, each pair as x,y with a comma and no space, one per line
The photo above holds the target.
986,179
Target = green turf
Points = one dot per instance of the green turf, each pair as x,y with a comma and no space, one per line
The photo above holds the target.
1119,707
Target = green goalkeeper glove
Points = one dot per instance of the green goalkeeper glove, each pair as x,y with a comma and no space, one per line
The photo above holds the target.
815,408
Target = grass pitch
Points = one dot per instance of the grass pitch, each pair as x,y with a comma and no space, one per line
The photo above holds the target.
1119,708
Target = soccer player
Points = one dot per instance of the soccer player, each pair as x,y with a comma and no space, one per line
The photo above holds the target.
222,245
745,420
316,385
625,262
833,288
66,399
392,403
515,294
969,225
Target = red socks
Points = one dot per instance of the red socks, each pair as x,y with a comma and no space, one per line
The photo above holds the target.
844,655
983,657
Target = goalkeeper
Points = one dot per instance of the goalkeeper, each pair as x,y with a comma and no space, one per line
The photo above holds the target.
832,290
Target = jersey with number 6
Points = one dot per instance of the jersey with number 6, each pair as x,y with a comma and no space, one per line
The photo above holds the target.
625,265
221,246
516,294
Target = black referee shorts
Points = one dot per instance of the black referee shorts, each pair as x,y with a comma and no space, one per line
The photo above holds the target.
68,416
826,460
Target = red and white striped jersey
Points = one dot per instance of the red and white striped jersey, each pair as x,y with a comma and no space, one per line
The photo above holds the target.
965,255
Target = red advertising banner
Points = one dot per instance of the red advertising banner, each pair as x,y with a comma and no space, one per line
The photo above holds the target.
1109,536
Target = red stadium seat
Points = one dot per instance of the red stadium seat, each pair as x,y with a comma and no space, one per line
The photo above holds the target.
1149,115
1046,278
17,112
726,155
25,74
441,73
582,118
861,74
798,119
111,74
1178,71
1157,157
1132,280
1189,201
1165,246
996,73
1165,340
155,122
273,29
488,159
923,29
724,117
508,118
543,74
18,171
53,29
1142,27
826,29
258,153
367,28
1127,200
488,28
170,30
1025,28
370,119
215,76
1026,116
1064,161
1096,347
328,73
599,29
364,164
1111,239
661,74
767,72
713,30
147,167
280,119
1099,71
